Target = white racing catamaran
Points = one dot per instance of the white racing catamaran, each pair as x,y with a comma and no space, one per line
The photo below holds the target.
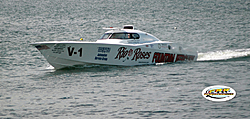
125,47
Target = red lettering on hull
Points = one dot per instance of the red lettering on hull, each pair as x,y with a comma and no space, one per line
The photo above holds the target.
162,57
166,57
184,57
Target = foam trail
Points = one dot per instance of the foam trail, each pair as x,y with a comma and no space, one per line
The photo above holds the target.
50,67
223,55
159,64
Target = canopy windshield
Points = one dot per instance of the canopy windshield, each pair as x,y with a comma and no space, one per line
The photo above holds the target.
120,36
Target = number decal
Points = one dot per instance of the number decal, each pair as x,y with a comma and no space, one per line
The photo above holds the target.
80,51
71,51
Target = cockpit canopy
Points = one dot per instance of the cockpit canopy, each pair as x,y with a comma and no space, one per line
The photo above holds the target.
141,36
120,36
127,35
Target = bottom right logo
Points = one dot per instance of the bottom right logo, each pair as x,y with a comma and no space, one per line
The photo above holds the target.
219,93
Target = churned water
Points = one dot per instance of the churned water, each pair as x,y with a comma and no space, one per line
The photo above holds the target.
31,88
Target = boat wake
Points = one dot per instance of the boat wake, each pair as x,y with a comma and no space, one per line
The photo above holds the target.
224,55
50,67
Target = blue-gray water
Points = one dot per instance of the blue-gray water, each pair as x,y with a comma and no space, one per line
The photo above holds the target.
30,88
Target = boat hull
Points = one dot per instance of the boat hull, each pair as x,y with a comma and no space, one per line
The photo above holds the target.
67,54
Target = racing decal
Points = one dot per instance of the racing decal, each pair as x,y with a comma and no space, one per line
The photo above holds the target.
58,48
123,52
136,54
162,57
140,55
184,57
72,51
101,53
101,57
104,49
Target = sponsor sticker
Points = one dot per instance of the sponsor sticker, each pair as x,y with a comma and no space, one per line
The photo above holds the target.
219,93
104,49
124,52
102,53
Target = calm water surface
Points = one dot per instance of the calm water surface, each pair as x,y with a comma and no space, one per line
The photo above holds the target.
31,88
